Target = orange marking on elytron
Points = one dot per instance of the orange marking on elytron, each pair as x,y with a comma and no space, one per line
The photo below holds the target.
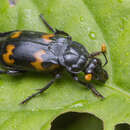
38,63
47,37
6,56
16,34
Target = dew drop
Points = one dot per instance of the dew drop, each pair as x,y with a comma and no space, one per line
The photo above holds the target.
81,18
33,109
77,105
92,35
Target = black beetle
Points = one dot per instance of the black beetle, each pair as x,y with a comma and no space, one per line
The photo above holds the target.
22,51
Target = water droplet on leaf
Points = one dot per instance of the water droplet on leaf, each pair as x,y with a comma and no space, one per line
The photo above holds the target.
92,35
81,18
77,105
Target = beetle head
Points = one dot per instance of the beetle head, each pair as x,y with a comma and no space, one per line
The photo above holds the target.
95,71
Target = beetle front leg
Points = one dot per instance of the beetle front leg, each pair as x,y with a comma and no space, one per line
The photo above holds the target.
57,76
88,85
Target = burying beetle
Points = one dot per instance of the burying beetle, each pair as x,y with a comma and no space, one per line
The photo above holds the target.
22,51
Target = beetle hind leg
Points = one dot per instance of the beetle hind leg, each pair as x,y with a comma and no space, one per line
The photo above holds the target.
56,31
57,76
46,23
63,33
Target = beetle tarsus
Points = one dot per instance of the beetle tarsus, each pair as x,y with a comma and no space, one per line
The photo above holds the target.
95,92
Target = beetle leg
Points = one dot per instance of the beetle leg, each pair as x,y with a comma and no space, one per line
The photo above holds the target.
88,85
56,31
5,33
63,33
57,76
47,25
11,72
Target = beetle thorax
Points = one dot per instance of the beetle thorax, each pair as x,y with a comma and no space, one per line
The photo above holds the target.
75,58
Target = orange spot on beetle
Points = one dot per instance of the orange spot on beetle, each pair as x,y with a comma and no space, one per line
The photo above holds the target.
6,56
38,63
47,37
88,77
16,34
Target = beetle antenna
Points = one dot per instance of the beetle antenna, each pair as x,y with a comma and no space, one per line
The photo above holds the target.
106,60
103,48
103,51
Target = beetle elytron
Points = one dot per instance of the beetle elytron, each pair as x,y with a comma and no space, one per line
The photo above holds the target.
22,51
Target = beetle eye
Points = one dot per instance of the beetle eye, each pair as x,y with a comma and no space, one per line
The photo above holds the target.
88,77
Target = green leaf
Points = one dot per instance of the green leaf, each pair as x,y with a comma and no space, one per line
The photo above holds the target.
90,23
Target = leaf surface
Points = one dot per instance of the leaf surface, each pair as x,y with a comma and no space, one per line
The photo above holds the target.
89,22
